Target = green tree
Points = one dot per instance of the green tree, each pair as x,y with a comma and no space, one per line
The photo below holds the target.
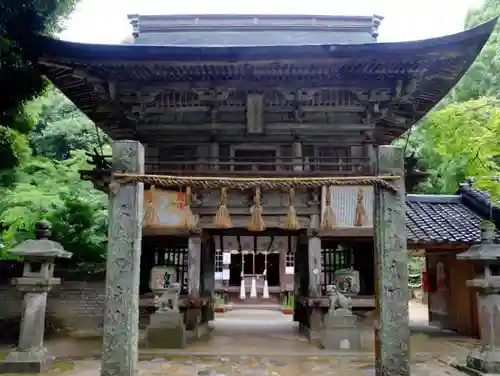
50,189
483,78
457,142
60,127
19,77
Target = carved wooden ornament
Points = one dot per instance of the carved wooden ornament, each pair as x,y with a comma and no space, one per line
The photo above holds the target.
164,208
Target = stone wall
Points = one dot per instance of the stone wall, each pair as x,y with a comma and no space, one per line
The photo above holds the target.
76,307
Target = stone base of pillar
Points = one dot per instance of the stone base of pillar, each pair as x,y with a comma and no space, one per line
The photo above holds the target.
200,331
208,313
482,362
315,323
31,361
340,332
166,331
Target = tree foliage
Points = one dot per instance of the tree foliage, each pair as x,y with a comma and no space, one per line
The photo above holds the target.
483,78
457,142
60,127
43,143
20,79
459,138
49,189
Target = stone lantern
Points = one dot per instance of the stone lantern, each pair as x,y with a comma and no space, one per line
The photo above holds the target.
38,278
486,360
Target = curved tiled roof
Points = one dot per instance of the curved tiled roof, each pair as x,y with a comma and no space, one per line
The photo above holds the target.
253,29
469,42
439,219
427,70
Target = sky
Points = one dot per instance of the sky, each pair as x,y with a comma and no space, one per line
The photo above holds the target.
105,21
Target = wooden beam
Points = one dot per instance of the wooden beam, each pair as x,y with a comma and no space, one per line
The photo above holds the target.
429,246
348,232
156,124
252,82
159,139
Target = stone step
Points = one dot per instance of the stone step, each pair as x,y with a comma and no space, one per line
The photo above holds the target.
258,306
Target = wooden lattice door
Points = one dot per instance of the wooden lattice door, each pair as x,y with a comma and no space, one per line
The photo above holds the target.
168,251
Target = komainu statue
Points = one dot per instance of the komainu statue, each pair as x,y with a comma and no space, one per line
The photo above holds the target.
338,303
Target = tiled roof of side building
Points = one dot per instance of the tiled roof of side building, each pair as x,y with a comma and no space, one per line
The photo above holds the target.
480,202
442,219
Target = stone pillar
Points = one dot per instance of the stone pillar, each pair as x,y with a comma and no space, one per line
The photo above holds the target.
392,333
121,311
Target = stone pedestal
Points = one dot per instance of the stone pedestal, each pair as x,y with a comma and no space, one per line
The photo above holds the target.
485,361
30,361
340,332
166,331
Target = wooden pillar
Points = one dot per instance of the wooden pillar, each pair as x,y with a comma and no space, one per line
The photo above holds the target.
194,315
314,262
214,155
297,156
392,331
121,312
315,318
208,277
194,264
208,268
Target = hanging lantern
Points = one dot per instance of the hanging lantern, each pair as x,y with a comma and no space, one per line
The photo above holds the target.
256,220
222,217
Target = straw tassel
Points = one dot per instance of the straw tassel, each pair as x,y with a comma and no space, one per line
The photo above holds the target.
190,221
222,217
360,219
256,221
291,222
329,221
150,214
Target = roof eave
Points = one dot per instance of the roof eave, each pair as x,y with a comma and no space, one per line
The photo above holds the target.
59,49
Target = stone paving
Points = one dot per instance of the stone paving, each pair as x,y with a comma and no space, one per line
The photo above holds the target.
260,366
260,343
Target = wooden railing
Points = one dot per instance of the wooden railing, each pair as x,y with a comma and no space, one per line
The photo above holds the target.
282,166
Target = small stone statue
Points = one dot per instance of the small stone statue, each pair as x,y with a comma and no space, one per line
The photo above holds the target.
338,302
169,300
